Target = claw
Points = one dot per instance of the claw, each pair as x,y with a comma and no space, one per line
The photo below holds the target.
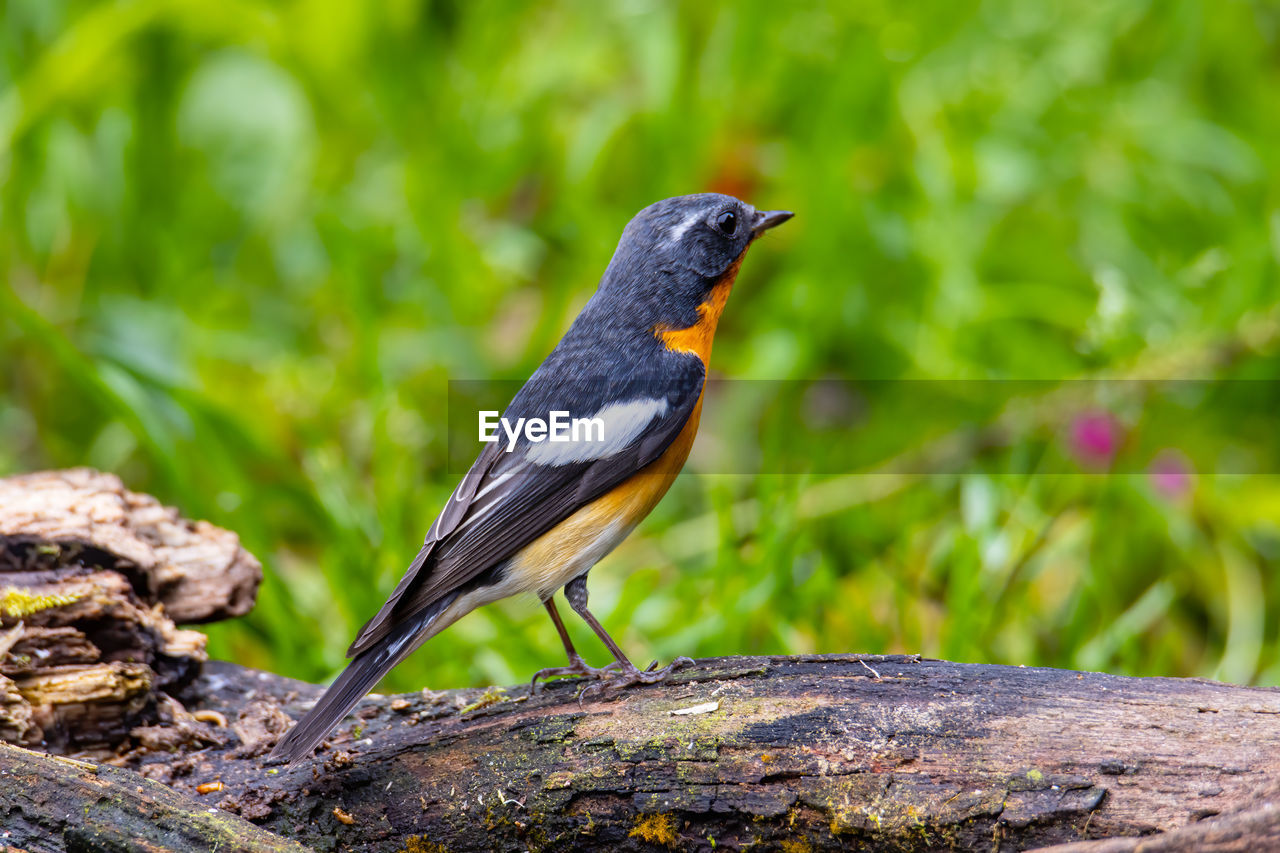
586,689
629,676
615,674
577,668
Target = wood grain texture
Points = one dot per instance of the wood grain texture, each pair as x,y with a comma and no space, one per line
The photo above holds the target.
825,752
814,753
55,804
197,571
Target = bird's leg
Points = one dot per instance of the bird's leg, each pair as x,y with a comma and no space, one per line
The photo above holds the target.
576,593
577,666
569,650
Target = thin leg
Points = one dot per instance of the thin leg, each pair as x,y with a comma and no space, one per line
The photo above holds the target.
576,593
577,666
550,604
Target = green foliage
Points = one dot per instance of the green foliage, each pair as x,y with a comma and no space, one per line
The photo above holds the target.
245,246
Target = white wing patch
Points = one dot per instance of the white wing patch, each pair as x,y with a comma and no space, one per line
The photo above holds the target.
473,518
621,424
498,481
678,230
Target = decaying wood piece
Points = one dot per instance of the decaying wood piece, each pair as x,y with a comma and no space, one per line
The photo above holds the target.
197,571
1252,830
50,803
91,579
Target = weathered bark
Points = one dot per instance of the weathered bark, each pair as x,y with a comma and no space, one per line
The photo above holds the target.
1254,829
820,752
197,571
92,577
778,753
51,803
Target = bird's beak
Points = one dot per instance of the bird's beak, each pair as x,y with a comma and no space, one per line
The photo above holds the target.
766,219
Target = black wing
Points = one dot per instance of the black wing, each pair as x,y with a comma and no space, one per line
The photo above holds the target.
508,499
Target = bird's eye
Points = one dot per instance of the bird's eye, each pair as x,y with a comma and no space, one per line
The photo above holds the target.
727,223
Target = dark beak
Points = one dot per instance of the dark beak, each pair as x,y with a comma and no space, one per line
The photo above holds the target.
766,219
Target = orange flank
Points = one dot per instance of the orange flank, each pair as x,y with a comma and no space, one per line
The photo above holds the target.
572,546
697,338
577,543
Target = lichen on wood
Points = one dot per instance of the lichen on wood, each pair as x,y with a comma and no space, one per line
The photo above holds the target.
816,753
778,753
800,754
199,572
49,803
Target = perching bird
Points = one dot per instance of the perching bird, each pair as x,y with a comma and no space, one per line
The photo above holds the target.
538,516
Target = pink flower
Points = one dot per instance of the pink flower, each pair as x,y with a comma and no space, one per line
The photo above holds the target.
1170,473
1095,438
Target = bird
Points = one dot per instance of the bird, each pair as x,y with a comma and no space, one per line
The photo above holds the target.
534,516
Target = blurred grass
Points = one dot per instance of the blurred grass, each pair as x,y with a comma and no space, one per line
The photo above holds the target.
245,245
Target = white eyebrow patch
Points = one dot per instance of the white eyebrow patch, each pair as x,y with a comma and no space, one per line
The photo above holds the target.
621,424
678,230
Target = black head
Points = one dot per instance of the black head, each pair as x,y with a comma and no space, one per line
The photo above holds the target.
674,251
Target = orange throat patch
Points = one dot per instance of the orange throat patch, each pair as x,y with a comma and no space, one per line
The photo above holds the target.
698,337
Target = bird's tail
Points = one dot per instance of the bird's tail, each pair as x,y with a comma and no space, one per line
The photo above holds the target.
365,670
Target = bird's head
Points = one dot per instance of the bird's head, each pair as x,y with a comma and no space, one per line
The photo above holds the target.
675,252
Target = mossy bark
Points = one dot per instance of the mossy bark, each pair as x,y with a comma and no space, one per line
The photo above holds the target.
795,754
53,803
817,753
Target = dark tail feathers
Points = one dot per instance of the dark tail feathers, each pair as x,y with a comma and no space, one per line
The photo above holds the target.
365,670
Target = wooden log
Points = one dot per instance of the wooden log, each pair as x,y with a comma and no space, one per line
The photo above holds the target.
808,753
50,803
813,753
821,753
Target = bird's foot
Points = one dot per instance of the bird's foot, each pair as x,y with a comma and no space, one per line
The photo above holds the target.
577,668
650,675
626,676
